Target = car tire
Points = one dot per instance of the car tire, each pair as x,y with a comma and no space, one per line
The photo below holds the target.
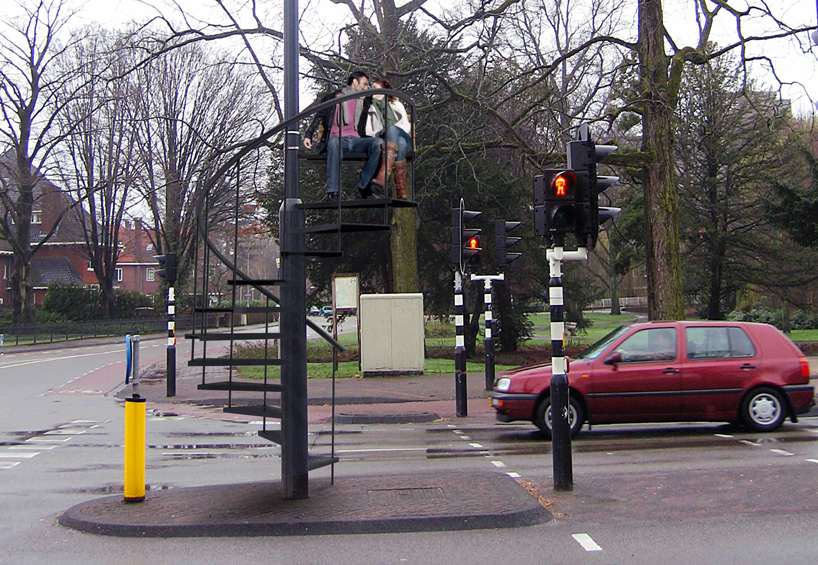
576,416
763,409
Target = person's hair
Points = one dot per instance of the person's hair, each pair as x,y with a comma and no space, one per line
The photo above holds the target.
386,84
355,75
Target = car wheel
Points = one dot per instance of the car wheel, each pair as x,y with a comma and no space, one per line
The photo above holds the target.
763,409
576,417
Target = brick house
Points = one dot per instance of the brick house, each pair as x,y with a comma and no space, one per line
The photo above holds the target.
64,256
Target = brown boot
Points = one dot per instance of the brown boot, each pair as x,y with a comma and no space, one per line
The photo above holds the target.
382,175
399,167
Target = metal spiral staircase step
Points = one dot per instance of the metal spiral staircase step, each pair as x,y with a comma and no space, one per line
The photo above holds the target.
358,203
242,386
234,336
221,362
344,228
263,410
257,282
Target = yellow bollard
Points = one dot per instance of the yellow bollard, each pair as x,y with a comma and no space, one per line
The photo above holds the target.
134,449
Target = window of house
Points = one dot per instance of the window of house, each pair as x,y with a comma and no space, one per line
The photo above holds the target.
119,274
150,273
90,267
149,248
37,217
5,272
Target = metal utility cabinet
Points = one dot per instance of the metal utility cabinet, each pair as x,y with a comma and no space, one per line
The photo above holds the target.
392,334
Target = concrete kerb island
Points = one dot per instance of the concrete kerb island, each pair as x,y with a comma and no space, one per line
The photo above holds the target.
419,502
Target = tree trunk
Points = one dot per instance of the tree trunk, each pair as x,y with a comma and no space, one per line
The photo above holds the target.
615,310
664,263
404,250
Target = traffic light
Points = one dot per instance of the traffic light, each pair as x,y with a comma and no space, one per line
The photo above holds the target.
167,266
465,241
554,199
502,241
583,156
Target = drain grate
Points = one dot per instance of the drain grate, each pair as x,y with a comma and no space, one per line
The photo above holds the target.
394,494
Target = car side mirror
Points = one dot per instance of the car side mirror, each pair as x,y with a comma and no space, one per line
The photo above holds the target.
613,358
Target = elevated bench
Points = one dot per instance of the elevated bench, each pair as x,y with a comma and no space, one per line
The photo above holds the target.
348,157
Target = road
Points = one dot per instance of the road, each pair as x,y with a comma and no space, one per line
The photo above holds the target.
643,494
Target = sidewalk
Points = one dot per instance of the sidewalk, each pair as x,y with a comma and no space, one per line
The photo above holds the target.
401,399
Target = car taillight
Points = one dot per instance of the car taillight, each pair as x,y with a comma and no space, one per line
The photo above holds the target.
804,367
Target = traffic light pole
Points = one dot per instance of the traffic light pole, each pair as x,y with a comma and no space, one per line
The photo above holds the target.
489,320
171,365
460,379
560,408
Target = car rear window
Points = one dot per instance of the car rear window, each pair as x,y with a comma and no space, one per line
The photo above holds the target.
718,342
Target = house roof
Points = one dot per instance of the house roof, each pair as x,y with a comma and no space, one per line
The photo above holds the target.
45,270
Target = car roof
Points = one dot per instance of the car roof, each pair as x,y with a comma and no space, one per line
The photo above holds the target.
696,323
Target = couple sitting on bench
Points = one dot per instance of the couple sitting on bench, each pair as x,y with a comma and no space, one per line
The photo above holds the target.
361,127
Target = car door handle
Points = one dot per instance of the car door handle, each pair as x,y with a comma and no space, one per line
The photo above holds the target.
747,367
670,371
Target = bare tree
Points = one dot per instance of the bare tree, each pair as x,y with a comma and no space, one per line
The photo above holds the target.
193,109
99,156
32,87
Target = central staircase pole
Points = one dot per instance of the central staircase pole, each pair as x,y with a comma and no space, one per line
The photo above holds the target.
294,451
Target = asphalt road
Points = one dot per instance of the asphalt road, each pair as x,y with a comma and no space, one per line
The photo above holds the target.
643,494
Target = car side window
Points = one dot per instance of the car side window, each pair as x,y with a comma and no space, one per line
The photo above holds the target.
718,343
740,344
657,344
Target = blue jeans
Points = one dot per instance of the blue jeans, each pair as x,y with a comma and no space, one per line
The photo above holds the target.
399,137
369,145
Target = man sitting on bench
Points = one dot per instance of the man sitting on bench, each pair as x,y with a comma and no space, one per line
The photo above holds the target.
350,119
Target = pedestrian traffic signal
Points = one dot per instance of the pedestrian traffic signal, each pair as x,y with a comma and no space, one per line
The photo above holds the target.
583,156
502,241
554,199
167,267
465,243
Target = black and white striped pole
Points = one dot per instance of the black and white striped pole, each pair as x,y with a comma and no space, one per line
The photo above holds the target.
460,378
171,369
560,406
488,343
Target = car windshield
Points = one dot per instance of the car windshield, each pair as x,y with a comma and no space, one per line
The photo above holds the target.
596,349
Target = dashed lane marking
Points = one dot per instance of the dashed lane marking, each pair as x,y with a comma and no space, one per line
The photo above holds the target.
19,454
8,464
475,445
745,442
498,464
723,435
48,439
587,543
514,475
782,452
812,460
30,447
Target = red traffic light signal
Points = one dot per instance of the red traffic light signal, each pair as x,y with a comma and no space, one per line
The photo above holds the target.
563,186
474,243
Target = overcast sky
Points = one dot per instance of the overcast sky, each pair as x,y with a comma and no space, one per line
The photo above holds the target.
792,64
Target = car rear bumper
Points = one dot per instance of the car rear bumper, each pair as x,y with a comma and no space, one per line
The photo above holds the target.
802,397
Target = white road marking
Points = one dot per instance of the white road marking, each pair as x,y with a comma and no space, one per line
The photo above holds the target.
19,454
384,449
467,438
587,543
48,439
498,463
8,464
782,452
40,361
30,447
745,442
813,460
64,432
475,445
723,435
513,475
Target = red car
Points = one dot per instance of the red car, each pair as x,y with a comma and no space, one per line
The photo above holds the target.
670,372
